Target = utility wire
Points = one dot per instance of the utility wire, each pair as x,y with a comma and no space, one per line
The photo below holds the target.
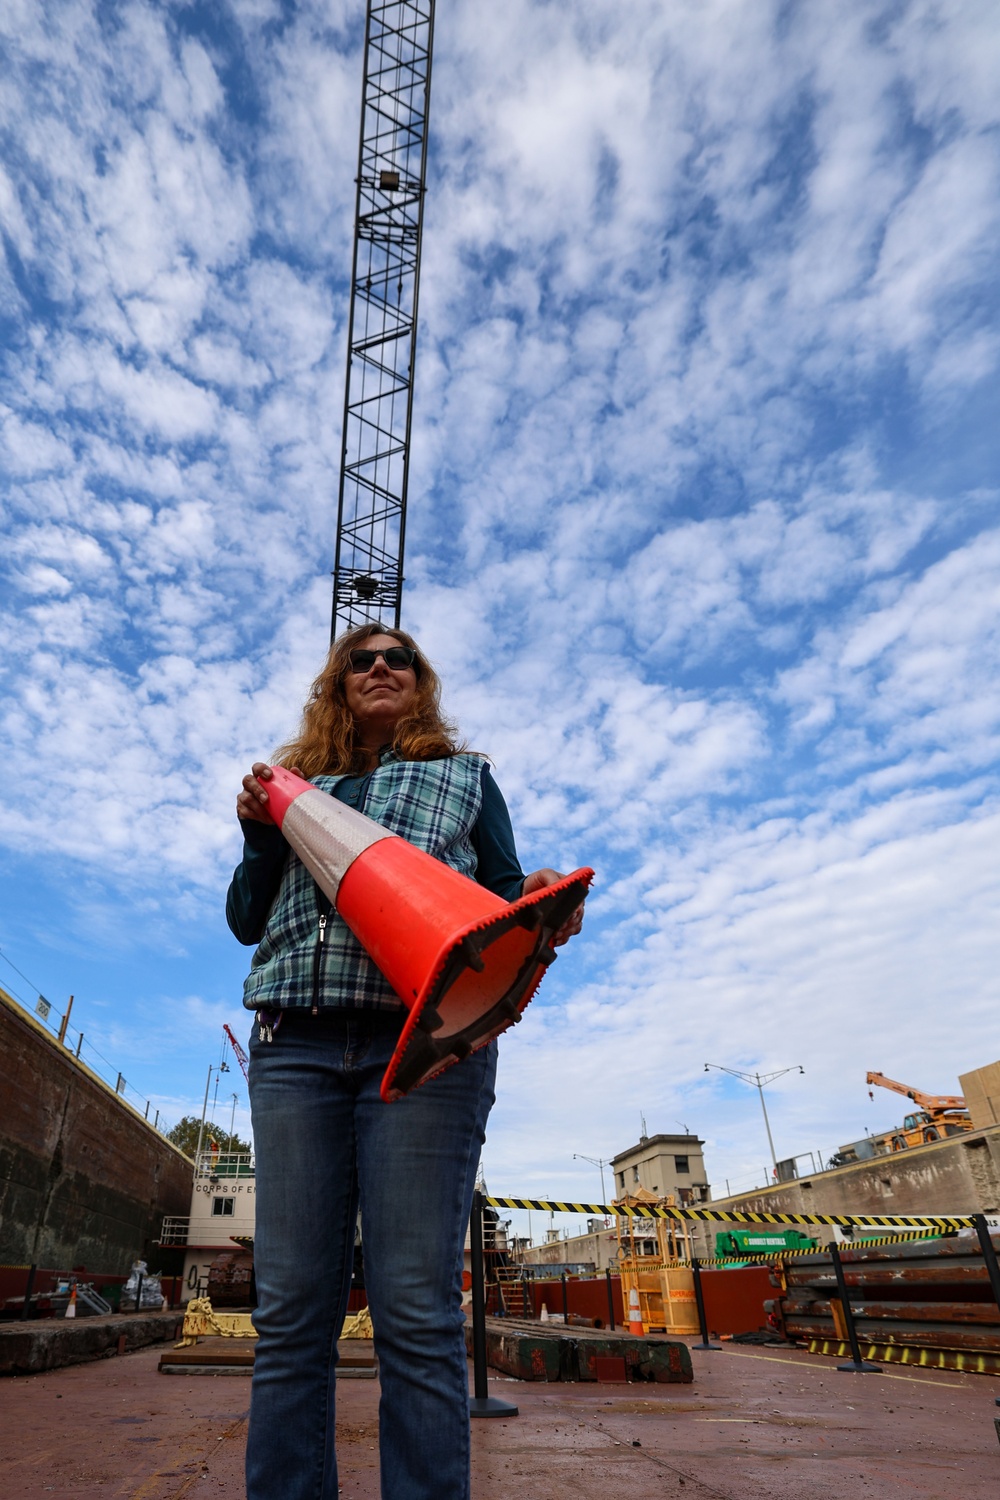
24,976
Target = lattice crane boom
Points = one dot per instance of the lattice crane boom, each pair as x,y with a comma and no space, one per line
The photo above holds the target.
241,1056
382,329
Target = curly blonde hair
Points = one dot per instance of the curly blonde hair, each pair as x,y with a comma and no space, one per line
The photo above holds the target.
327,742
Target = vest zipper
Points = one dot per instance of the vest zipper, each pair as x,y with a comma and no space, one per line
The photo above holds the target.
318,956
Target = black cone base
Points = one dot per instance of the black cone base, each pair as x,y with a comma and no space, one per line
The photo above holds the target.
484,983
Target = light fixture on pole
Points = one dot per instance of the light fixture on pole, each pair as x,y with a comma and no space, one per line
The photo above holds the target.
597,1162
760,1083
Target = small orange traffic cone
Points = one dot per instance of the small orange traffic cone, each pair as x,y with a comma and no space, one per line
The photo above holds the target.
71,1304
464,962
634,1315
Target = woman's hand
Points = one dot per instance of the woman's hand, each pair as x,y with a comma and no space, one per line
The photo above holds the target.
537,881
251,804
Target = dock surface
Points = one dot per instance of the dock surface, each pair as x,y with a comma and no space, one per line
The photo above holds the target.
757,1424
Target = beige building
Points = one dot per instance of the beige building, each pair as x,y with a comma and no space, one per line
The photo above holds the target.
981,1088
664,1164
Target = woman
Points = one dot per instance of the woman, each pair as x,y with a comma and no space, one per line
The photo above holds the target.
373,736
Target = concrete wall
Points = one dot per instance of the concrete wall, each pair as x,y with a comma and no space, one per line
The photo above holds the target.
83,1179
959,1175
599,1250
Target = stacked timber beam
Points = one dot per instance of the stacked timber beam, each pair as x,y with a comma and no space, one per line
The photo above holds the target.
927,1303
530,1350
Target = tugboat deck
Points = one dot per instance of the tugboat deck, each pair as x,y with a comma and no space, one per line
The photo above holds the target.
756,1424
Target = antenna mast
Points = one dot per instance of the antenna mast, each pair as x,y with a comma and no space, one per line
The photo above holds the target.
382,331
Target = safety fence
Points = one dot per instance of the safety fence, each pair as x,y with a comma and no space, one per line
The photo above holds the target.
908,1229
947,1224
930,1301
781,1252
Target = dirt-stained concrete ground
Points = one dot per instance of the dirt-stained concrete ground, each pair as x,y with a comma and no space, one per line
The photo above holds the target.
767,1424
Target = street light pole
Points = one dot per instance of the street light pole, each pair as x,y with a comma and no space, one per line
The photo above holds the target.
597,1162
204,1112
759,1084
767,1124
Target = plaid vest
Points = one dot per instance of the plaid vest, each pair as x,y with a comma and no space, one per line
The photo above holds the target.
432,803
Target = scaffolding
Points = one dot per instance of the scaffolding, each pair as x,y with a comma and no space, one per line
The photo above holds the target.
653,1259
385,278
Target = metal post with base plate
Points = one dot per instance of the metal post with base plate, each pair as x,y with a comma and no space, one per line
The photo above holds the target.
699,1297
481,1404
858,1366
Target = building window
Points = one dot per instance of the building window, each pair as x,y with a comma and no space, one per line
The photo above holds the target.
635,1174
621,1181
223,1207
681,1164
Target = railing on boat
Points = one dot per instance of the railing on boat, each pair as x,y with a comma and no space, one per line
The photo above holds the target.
175,1229
227,1164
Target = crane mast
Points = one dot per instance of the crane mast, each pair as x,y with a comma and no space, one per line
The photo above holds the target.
382,329
241,1056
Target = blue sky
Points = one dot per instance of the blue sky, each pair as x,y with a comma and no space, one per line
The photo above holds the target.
703,532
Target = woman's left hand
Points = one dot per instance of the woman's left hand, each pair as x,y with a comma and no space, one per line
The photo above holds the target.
537,881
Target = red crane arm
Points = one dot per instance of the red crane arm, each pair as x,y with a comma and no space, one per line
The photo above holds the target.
241,1056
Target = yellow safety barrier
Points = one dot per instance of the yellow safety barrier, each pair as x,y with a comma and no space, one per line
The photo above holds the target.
738,1215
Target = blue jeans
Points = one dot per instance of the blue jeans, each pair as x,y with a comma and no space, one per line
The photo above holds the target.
324,1142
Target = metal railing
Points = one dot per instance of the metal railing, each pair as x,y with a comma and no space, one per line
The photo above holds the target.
224,1164
175,1229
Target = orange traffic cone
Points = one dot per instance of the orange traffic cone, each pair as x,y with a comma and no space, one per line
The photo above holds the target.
634,1315
71,1304
464,962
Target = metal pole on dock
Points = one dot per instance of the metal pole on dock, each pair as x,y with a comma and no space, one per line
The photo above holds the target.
28,1289
989,1254
481,1404
611,1301
699,1297
65,1021
858,1366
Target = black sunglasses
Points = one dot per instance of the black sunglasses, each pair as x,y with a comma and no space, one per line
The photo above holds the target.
396,657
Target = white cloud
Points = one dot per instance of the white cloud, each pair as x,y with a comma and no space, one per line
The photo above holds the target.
701,506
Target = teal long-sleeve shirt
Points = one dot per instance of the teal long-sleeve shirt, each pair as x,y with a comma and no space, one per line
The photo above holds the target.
257,877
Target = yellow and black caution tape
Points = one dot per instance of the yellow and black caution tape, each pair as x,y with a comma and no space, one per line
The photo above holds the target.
770,1256
866,1244
736,1215
647,1263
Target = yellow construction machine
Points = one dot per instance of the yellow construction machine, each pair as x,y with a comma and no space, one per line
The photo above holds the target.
936,1116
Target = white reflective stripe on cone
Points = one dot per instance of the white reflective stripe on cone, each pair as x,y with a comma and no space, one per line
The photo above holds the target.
328,836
